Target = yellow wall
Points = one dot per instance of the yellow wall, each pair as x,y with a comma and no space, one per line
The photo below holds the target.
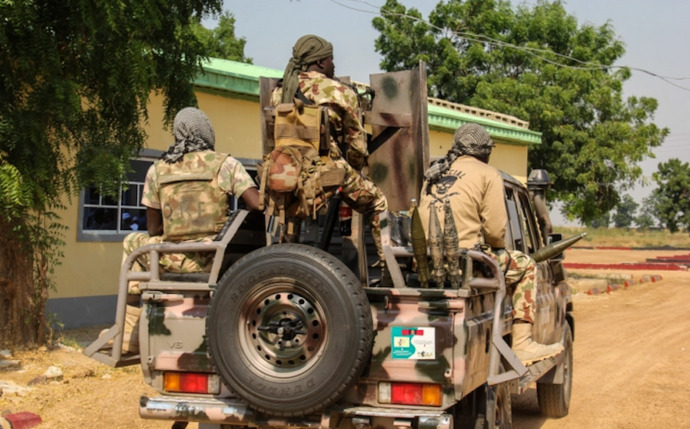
92,268
509,158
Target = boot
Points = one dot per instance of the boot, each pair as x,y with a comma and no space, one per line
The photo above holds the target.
529,351
130,336
386,279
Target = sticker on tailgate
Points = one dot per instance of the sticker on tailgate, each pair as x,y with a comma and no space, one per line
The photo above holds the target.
413,343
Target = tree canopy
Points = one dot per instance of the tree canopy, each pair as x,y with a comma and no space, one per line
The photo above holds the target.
671,198
540,65
75,80
625,212
220,41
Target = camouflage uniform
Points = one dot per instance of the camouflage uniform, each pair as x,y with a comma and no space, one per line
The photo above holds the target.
192,195
344,112
476,195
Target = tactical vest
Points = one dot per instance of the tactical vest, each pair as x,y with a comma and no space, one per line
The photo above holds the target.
192,203
299,175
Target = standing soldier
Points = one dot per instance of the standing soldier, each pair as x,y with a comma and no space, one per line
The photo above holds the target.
476,195
309,77
538,183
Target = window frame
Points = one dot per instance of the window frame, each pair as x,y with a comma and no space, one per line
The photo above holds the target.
100,235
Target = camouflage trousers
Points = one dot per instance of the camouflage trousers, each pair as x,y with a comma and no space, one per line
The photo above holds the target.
361,194
520,277
170,262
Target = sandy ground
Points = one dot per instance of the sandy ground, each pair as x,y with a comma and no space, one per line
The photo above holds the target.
631,369
631,351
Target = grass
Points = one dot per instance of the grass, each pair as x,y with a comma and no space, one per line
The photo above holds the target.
619,237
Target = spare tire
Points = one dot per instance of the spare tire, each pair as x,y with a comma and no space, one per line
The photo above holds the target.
289,329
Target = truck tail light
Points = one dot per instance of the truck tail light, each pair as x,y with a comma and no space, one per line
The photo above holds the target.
410,393
191,382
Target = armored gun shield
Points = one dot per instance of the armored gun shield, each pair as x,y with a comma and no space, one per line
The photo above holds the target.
399,148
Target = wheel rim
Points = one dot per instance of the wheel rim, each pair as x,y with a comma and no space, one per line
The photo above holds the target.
284,329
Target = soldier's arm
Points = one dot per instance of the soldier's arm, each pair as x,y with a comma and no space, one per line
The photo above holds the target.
234,179
251,198
494,215
356,139
353,129
150,199
154,221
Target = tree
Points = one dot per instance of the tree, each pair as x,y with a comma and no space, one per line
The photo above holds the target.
540,65
602,221
648,213
220,42
625,212
75,79
672,198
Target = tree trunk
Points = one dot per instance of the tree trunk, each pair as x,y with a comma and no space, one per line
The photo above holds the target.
21,304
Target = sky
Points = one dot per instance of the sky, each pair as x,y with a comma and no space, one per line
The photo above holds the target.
656,36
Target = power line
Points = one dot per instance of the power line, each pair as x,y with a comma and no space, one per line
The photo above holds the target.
495,42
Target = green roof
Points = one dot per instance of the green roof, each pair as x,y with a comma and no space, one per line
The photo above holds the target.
242,80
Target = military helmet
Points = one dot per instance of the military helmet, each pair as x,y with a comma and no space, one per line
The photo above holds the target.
538,178
473,139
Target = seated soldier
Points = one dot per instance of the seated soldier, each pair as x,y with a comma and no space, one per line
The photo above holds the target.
186,194
309,77
476,194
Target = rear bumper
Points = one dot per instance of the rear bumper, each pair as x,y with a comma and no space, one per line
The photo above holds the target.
231,411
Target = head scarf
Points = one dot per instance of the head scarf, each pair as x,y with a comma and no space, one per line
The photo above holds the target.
469,139
193,132
308,50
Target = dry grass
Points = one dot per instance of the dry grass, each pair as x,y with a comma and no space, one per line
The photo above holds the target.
627,237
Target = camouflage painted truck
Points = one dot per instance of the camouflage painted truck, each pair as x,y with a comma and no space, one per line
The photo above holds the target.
305,336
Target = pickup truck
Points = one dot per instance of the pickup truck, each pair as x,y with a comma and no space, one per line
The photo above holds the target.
300,336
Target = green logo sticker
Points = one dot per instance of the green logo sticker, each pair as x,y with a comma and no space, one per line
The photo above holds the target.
413,343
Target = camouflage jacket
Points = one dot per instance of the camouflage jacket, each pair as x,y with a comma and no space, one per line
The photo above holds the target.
193,194
345,114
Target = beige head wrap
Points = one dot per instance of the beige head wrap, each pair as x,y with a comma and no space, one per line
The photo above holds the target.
308,50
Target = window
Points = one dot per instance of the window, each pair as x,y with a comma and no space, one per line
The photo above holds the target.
103,218
514,237
530,227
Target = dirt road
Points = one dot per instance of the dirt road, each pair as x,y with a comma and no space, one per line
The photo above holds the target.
631,369
632,354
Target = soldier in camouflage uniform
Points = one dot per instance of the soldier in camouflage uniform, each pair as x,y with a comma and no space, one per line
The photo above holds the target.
310,74
476,194
186,194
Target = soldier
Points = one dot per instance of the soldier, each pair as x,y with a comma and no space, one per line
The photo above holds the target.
476,194
309,76
186,194
538,183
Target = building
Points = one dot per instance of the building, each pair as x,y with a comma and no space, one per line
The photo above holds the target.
228,91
